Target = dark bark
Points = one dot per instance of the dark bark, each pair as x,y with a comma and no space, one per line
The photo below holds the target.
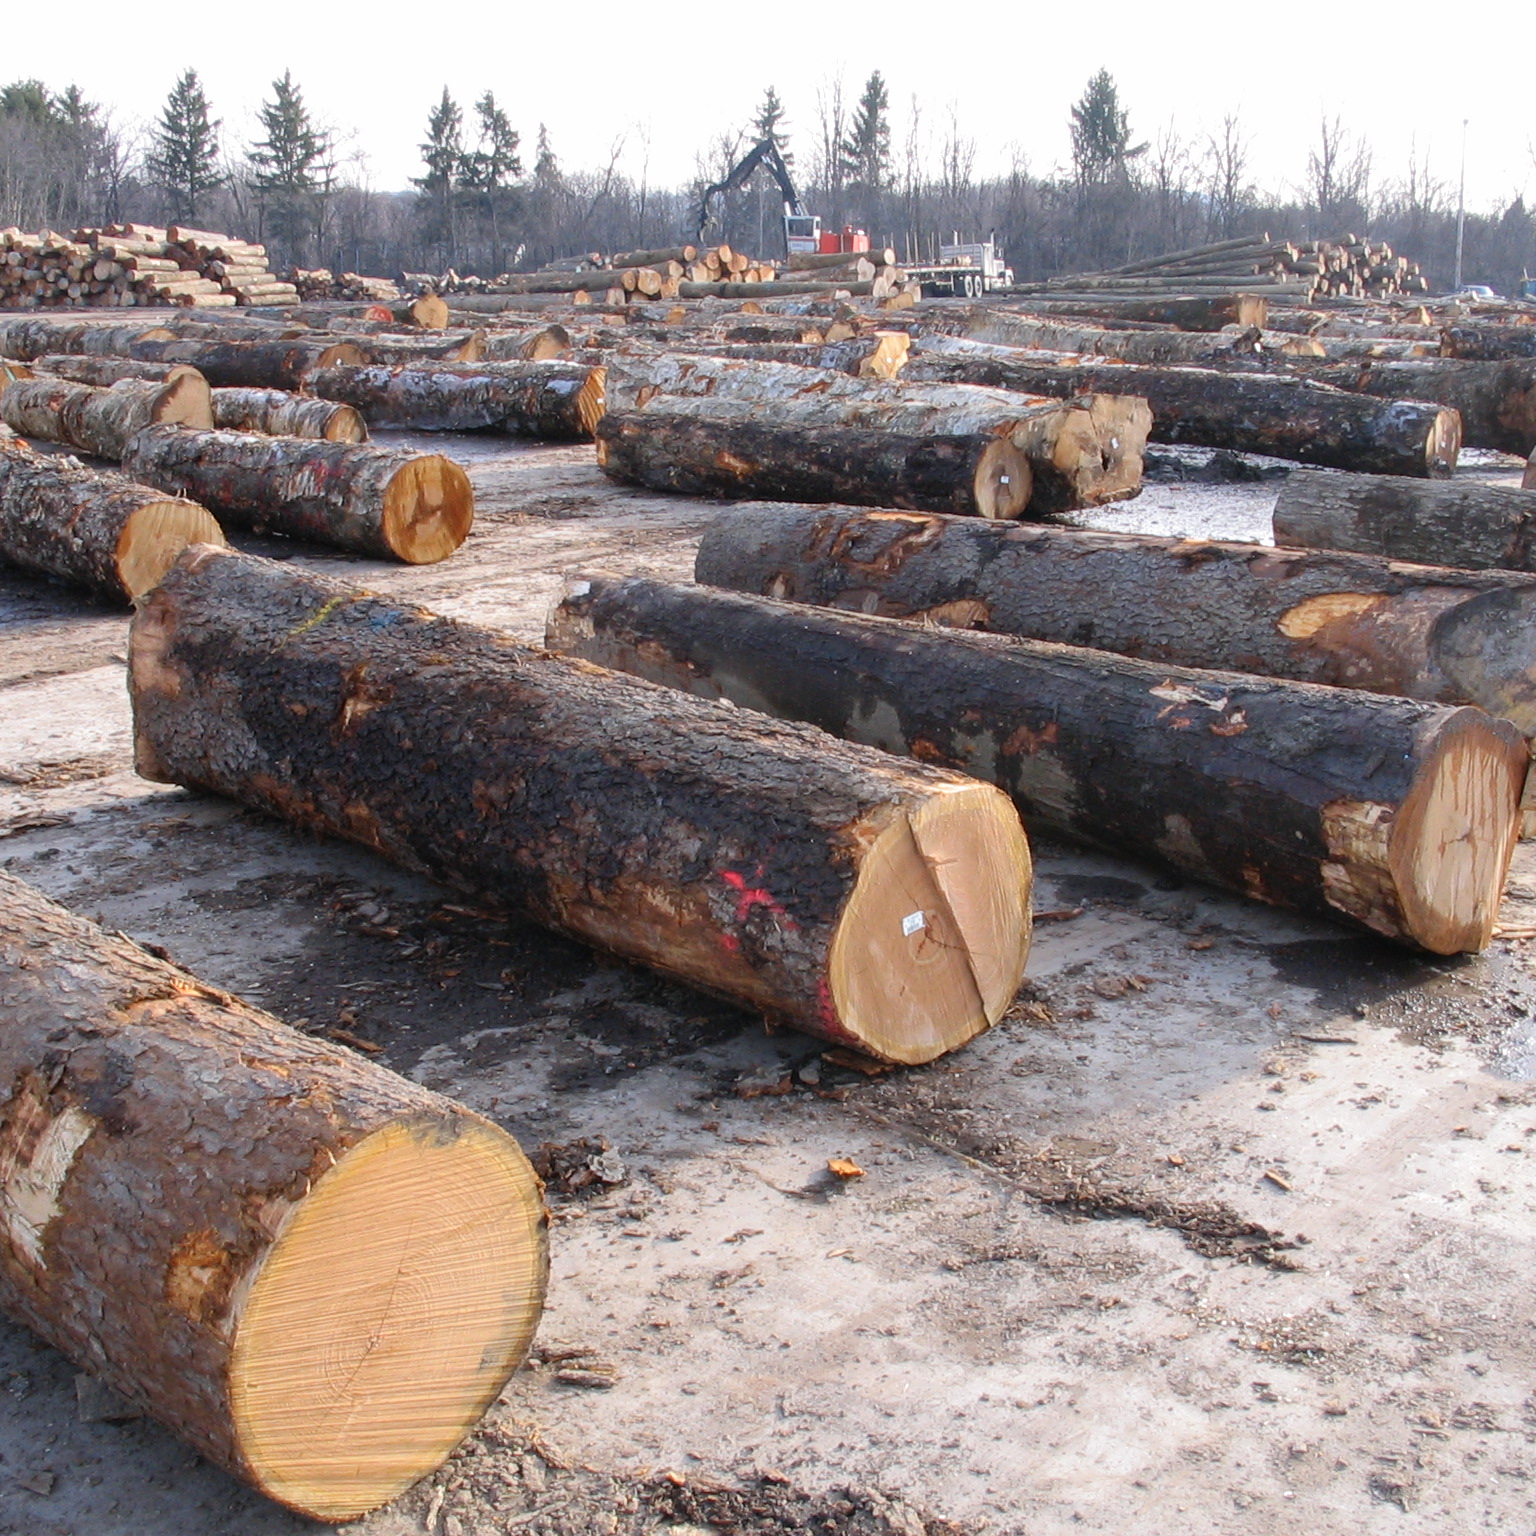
974,475
1488,342
160,1140
1397,815
1194,313
250,364
102,422
1352,621
28,337
105,371
735,853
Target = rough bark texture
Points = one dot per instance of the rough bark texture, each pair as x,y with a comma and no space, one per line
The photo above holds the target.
552,399
1352,621
1299,795
526,344
875,356
83,525
1002,328
250,364
717,846
435,347
280,414
390,503
975,475
1290,418
1192,313
105,371
102,421
1487,341
29,337
157,1136
1466,523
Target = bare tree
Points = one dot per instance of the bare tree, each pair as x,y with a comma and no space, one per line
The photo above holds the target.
1226,169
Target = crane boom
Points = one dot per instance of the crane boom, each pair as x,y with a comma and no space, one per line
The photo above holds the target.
764,152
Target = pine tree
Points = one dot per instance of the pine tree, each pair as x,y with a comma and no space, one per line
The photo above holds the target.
184,152
769,124
491,166
546,167
443,156
867,149
1101,134
292,167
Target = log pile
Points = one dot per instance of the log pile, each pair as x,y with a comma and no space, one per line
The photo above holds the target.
889,910
124,265
102,421
1277,269
321,283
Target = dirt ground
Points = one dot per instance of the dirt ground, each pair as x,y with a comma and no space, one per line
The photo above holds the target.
1226,1228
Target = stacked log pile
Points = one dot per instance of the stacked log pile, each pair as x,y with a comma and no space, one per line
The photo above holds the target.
124,265
321,283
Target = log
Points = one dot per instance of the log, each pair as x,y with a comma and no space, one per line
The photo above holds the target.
817,261
532,344
1351,621
92,528
440,346
280,414
429,311
1392,814
1289,418
1190,313
682,253
27,338
388,503
1082,453
876,903
739,456
104,371
555,399
1001,328
1465,523
250,364
101,421
1488,342
314,1271
879,355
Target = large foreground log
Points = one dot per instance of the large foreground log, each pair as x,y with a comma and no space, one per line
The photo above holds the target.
878,903
1352,621
29,337
315,1272
250,364
1466,523
1396,815
1290,418
280,414
102,421
702,455
550,399
389,503
93,528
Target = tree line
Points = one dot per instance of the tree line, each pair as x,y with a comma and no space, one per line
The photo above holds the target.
481,204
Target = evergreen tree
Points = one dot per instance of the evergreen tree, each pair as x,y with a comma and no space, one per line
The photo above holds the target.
184,152
28,100
867,149
1101,134
490,168
546,167
769,124
292,167
443,156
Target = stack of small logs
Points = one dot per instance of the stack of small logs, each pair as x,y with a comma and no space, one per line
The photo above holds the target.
320,283
123,265
1348,268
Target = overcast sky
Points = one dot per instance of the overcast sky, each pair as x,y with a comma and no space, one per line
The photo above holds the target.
1008,74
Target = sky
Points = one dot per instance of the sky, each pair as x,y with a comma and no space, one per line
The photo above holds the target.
1006,73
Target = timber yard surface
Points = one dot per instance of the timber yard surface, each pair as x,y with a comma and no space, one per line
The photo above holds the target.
1225,1228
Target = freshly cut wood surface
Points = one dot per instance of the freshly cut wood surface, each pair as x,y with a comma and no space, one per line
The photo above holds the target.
1348,620
101,421
728,455
250,364
528,344
878,903
555,399
315,1272
105,371
93,528
1290,418
1392,814
279,413
385,502
1465,523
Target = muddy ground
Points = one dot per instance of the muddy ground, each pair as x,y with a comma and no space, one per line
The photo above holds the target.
1227,1228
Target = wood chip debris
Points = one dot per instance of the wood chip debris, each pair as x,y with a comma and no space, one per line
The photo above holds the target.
844,1168
1278,1179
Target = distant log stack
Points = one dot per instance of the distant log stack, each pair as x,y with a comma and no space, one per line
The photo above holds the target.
887,911
281,414
92,528
1466,523
388,503
1348,620
317,1273
1395,815
559,400
101,422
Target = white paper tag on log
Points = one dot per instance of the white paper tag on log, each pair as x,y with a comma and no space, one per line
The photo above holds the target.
911,923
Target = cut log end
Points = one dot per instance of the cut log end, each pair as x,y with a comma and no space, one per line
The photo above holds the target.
346,425
186,402
931,947
428,1235
591,400
428,510
155,535
1444,445
1004,481
1450,843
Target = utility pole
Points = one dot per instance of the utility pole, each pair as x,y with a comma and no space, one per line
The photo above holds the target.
1461,206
